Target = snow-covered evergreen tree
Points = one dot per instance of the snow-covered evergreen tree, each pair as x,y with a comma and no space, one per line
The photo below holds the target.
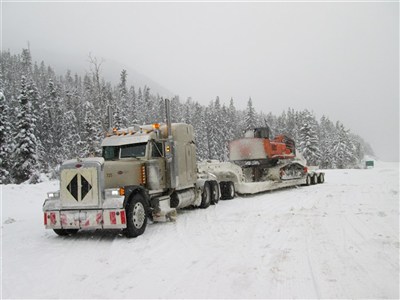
25,158
309,143
216,139
5,149
122,108
132,107
250,118
70,140
91,134
343,149
56,116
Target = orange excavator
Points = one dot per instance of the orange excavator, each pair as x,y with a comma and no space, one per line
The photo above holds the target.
257,145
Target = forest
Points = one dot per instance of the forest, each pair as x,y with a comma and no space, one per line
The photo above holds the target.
46,118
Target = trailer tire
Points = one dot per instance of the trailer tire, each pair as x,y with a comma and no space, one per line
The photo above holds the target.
314,179
206,195
215,195
227,190
308,180
321,178
65,232
230,190
136,216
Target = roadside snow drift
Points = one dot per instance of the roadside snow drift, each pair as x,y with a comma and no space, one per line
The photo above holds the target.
339,239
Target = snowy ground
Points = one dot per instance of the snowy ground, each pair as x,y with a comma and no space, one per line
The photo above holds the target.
339,239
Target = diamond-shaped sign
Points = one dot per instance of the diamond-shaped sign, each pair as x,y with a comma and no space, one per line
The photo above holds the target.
73,187
85,187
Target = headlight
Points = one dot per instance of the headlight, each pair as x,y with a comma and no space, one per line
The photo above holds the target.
115,193
53,195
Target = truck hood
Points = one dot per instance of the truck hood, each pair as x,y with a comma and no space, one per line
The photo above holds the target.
122,173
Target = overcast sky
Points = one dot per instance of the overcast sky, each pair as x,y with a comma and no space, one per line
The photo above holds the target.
338,59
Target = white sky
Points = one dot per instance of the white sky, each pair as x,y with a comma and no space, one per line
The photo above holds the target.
338,59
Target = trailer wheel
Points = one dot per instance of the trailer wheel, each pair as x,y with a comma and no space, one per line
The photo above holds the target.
65,232
321,178
227,190
206,195
230,190
136,220
308,180
314,179
214,192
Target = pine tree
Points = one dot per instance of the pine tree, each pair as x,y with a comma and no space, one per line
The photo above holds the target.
326,138
56,116
70,138
140,107
200,130
122,108
309,139
250,118
91,136
5,149
26,162
216,141
343,149
132,107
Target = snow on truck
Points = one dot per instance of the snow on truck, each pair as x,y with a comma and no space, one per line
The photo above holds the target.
150,171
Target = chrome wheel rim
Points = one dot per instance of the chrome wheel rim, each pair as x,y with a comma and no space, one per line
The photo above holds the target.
139,215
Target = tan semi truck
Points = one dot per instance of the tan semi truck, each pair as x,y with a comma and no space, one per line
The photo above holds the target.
144,172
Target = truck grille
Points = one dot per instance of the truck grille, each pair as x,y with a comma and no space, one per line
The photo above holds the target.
79,187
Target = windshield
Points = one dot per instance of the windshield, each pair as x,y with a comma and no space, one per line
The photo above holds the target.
110,152
127,151
133,150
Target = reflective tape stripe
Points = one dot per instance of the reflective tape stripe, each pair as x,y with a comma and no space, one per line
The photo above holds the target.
123,218
53,219
113,218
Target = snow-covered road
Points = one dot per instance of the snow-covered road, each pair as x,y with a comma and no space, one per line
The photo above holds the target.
339,239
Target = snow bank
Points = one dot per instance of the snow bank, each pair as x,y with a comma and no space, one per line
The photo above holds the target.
335,240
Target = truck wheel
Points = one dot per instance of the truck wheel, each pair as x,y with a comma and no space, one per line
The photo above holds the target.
230,190
214,192
206,195
136,220
65,232
321,178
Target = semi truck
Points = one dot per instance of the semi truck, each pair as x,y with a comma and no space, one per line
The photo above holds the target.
150,171
145,172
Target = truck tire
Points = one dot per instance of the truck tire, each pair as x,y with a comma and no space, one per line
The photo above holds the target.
65,232
214,192
206,195
321,178
136,216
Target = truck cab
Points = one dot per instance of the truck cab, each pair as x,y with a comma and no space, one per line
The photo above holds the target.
144,172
